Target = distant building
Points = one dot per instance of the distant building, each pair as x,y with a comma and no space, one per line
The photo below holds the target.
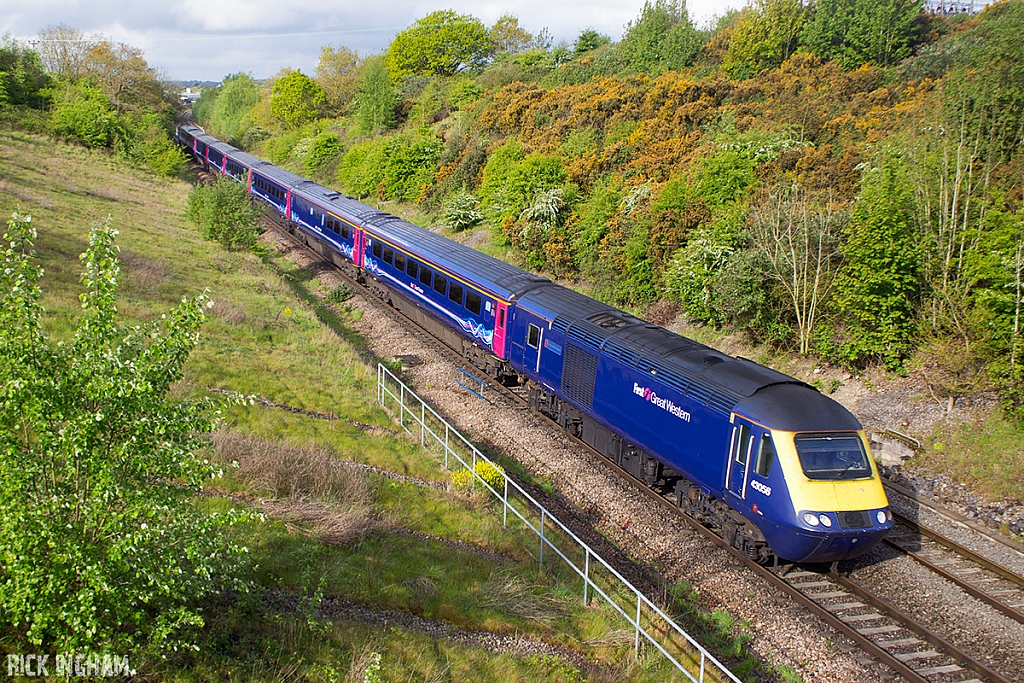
189,95
949,7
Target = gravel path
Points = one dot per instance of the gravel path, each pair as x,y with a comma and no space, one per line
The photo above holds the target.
780,633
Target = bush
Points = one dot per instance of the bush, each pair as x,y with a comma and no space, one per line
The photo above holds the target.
494,475
461,211
224,212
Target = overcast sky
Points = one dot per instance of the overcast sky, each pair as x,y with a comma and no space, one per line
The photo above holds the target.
209,39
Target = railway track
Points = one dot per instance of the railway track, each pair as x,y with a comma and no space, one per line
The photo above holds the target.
894,639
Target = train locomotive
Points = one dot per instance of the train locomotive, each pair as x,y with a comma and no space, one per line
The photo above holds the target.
780,469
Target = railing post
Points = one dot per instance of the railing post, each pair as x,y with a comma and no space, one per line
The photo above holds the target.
473,479
423,421
702,658
446,449
401,406
504,505
586,576
543,511
636,645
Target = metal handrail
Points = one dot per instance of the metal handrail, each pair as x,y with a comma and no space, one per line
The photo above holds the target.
404,393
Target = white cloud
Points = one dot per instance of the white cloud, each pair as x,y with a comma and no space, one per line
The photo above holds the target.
208,39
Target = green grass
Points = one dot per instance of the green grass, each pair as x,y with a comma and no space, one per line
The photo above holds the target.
264,336
987,453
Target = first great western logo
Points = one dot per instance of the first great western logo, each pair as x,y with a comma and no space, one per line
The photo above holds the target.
665,404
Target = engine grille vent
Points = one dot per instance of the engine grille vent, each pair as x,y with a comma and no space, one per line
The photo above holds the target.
579,371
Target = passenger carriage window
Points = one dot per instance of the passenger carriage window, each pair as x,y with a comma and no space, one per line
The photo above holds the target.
344,231
473,303
455,293
411,267
388,255
501,318
741,446
765,456
377,249
440,284
425,276
533,336
399,261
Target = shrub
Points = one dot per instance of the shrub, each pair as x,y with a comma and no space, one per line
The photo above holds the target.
224,212
461,211
494,475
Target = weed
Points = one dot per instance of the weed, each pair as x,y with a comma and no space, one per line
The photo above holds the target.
339,295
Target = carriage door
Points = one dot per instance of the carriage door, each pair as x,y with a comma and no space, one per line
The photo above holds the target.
357,247
500,322
739,458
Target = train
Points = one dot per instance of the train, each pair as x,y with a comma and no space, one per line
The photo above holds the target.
780,470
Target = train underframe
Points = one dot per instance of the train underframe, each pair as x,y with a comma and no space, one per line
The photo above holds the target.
645,468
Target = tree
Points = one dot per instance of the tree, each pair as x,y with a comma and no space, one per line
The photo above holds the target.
878,288
224,212
857,32
507,35
798,233
231,112
440,44
661,38
63,50
338,74
377,97
765,35
84,114
297,99
589,39
22,76
123,74
104,546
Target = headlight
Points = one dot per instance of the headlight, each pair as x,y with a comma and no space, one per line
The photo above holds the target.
811,519
825,520
881,516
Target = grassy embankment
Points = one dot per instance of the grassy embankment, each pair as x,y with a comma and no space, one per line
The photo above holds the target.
331,531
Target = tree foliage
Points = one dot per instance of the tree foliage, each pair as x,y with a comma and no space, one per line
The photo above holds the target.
878,290
440,44
858,32
506,35
104,545
662,37
297,99
765,35
377,97
224,212
338,74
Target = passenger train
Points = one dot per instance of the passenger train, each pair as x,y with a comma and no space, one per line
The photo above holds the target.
768,460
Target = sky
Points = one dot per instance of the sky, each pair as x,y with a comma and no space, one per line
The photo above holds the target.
206,40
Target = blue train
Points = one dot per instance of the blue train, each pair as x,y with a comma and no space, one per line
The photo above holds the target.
771,462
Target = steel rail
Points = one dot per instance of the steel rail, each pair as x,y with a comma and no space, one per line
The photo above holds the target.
954,516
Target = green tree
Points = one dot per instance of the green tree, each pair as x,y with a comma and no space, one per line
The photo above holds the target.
765,35
227,109
661,38
507,35
104,543
224,212
84,114
297,99
23,79
589,39
878,289
338,74
377,97
440,44
856,32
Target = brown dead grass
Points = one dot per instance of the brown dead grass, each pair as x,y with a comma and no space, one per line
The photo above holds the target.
313,492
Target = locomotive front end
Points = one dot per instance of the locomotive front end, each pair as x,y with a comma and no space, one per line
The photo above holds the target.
840,509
